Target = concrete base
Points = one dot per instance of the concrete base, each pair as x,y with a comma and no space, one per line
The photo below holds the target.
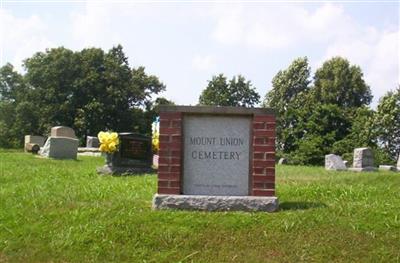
216,203
364,169
387,168
107,170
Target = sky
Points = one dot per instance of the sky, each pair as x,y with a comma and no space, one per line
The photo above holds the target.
185,43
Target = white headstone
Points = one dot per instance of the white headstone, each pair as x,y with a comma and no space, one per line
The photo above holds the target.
282,161
60,148
216,155
398,163
63,131
92,142
334,162
33,139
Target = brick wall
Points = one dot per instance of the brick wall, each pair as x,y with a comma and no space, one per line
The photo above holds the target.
263,170
170,160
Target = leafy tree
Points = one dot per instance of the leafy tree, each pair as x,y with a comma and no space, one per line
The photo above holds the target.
236,92
329,116
12,85
52,77
337,82
89,90
388,122
17,113
288,94
362,133
322,126
163,101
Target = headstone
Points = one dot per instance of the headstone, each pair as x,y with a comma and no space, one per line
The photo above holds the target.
62,131
334,162
89,151
62,144
398,164
155,160
60,148
92,142
363,160
216,158
33,139
346,162
133,157
282,161
387,168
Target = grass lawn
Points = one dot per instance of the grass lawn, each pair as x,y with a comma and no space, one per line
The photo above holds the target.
62,211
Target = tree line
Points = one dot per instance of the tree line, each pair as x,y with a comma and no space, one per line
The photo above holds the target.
328,113
93,90
89,90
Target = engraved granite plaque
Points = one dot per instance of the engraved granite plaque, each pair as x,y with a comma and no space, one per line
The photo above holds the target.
216,155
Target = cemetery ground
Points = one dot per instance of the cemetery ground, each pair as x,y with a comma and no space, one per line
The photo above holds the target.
62,211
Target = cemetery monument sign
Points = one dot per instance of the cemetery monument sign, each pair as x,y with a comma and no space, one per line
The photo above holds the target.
216,158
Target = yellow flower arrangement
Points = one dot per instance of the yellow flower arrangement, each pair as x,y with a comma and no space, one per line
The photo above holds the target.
156,142
108,141
155,127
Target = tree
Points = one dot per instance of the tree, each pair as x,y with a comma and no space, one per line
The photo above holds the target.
52,77
287,96
321,126
361,134
337,82
329,116
89,90
238,92
12,85
388,122
17,112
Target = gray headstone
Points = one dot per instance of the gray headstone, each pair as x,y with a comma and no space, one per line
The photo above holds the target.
345,162
92,142
216,155
62,131
363,157
60,148
334,162
34,139
283,161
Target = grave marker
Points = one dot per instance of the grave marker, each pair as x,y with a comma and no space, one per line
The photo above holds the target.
133,157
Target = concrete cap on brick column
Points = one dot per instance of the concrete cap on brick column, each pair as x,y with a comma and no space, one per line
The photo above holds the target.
216,110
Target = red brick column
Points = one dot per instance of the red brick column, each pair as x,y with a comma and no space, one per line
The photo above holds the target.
169,163
263,169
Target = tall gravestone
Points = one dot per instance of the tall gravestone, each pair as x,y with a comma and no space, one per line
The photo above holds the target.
62,144
63,131
216,158
363,160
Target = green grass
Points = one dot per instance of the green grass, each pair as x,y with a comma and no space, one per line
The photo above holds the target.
62,211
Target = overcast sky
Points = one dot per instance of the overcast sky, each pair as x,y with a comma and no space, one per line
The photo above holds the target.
185,43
